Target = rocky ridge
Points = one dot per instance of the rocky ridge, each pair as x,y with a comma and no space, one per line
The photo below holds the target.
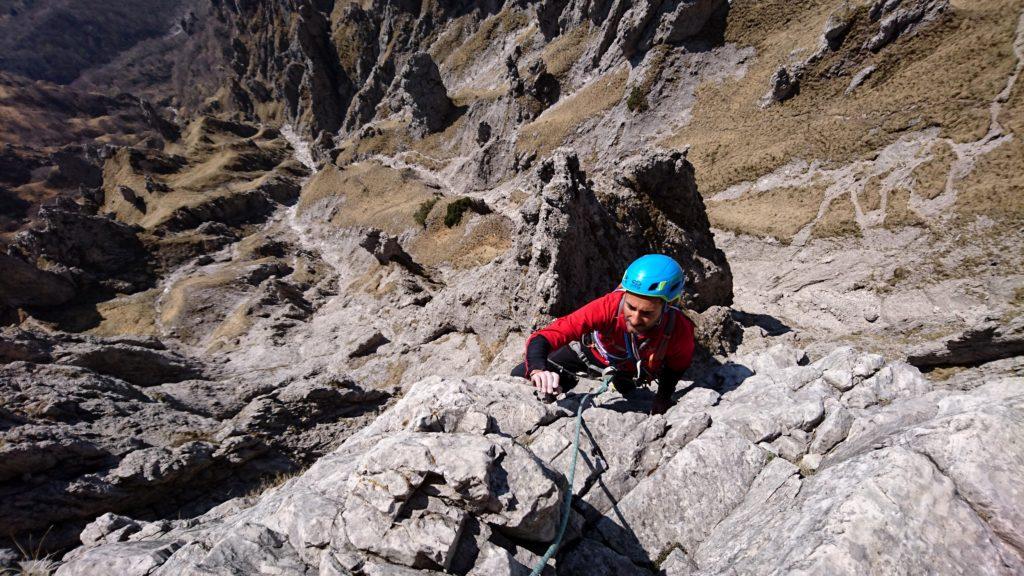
288,266
841,457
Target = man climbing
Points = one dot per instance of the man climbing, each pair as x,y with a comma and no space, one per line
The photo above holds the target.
636,328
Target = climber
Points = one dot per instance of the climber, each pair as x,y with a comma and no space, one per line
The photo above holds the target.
636,328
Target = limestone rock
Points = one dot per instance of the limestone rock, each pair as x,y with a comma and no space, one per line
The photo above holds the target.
419,88
992,340
684,499
139,365
832,430
838,24
716,332
109,528
658,200
898,18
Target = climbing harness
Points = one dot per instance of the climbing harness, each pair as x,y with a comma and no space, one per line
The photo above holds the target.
630,345
607,375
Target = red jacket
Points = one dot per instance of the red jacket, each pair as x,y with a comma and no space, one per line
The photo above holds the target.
603,319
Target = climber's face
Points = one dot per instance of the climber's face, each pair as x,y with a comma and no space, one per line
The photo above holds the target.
642,312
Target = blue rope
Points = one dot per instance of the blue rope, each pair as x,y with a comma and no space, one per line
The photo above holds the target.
567,507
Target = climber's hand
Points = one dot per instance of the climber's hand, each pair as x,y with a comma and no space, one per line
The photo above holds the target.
545,382
660,405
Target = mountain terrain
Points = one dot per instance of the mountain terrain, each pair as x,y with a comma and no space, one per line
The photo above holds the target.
267,265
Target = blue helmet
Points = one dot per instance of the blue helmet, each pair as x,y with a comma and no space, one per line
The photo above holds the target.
655,275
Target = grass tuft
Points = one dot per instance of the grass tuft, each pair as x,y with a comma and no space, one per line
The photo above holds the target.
420,216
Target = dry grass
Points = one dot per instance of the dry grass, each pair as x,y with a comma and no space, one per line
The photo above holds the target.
370,195
551,129
491,30
839,219
235,325
930,177
995,187
220,164
943,76
388,137
435,149
898,213
449,40
561,53
134,314
780,212
474,241
870,198
184,300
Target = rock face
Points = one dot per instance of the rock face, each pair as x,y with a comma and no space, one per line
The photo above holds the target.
22,284
420,90
91,425
660,203
89,250
431,484
989,341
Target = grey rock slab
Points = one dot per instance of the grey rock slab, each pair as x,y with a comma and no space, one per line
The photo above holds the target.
832,430
126,559
408,497
592,558
810,463
246,549
875,429
777,357
100,529
419,88
846,518
697,399
764,408
22,284
33,449
790,448
855,83
496,560
988,341
17,344
439,404
684,430
615,450
898,19
135,364
158,465
896,380
681,503
678,563
982,451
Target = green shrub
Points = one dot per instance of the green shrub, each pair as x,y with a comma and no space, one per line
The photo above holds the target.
423,211
456,209
637,100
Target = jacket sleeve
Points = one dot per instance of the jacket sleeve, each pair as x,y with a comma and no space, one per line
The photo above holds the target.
679,359
595,315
